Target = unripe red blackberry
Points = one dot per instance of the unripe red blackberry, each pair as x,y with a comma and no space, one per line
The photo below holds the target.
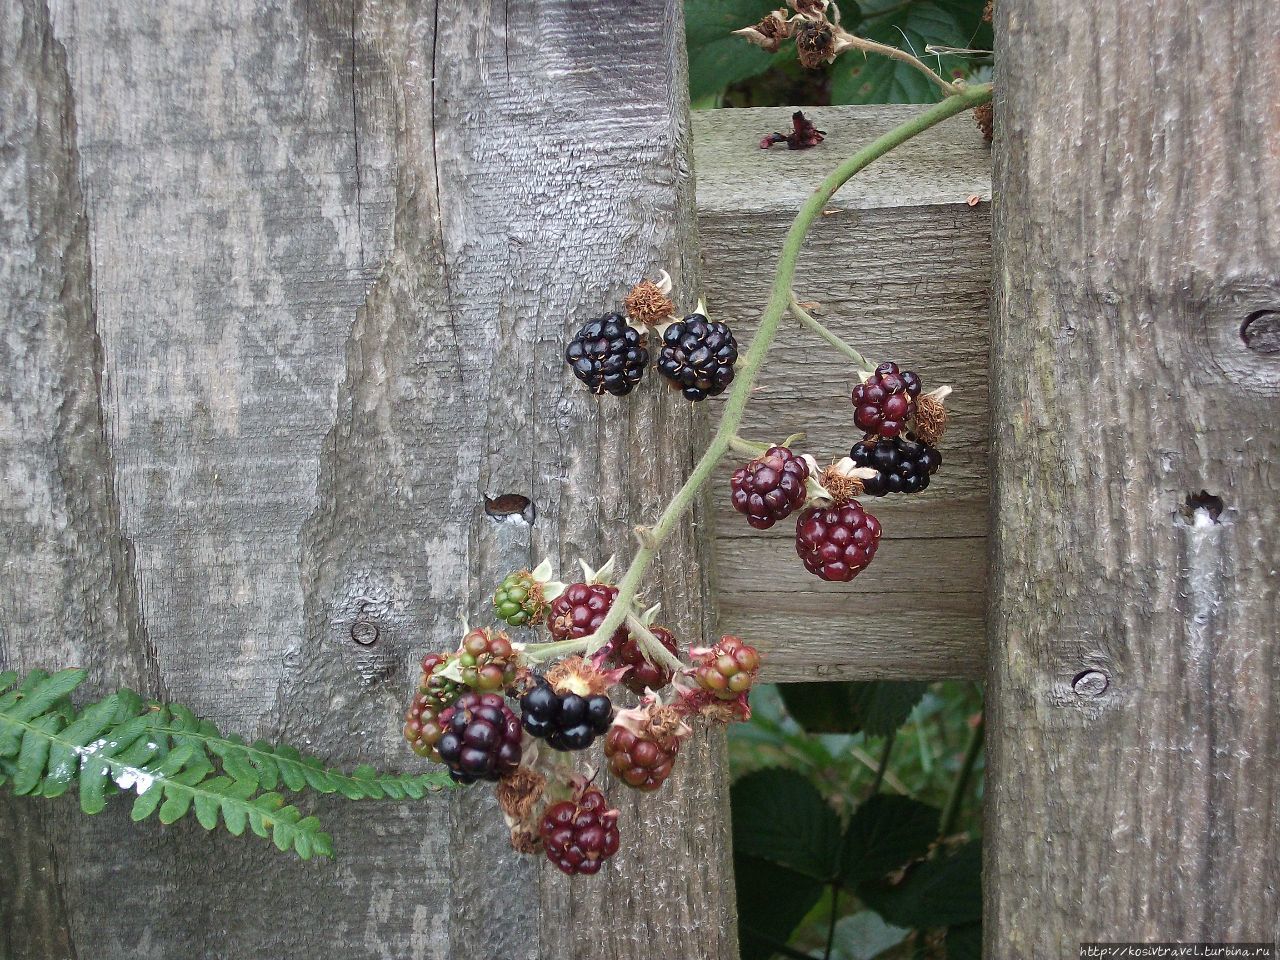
421,721
608,355
582,607
901,465
642,744
579,835
770,487
885,400
727,670
481,739
643,674
487,660
422,728
837,542
698,356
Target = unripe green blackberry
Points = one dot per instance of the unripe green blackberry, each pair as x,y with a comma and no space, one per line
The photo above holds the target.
518,600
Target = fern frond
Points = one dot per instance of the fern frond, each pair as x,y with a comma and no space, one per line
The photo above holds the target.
175,762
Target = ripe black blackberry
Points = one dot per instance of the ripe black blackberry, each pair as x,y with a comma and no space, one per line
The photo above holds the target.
567,721
608,355
770,487
698,356
885,400
481,739
903,466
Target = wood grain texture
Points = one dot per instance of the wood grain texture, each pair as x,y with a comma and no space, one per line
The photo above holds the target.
900,267
292,288
1136,231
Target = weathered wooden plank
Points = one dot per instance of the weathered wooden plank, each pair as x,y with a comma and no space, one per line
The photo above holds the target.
1132,789
335,253
901,268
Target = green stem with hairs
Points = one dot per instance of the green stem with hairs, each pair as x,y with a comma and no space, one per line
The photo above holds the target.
859,361
736,404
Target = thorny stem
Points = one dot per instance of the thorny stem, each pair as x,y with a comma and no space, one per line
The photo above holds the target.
951,812
753,360
870,46
861,362
652,647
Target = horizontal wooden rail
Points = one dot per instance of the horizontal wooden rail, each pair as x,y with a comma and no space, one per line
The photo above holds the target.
901,268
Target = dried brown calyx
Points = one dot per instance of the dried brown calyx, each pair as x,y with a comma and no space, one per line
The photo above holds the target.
520,792
583,677
930,420
649,303
984,117
769,32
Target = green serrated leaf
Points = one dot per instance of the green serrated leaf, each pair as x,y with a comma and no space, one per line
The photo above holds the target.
772,900
886,832
858,78
716,57
7,679
779,816
876,707
936,893
322,845
93,784
263,757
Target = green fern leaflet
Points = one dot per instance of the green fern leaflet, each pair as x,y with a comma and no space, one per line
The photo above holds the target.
173,761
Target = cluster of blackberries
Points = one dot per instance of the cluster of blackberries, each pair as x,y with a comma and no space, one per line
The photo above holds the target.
566,721
462,713
696,355
835,537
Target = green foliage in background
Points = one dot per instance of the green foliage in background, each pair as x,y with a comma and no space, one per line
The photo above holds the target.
725,70
839,799
173,761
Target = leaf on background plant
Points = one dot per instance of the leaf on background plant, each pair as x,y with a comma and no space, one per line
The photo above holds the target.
772,900
779,816
716,57
173,760
877,707
964,942
886,832
856,78
864,936
937,893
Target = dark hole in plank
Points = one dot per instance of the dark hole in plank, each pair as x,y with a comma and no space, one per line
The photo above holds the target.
1261,332
509,505
1206,501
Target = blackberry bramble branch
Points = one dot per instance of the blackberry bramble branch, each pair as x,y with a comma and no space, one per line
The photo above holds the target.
780,301
518,713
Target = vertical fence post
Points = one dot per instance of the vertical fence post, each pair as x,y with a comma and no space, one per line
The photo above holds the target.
285,294
1134,788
